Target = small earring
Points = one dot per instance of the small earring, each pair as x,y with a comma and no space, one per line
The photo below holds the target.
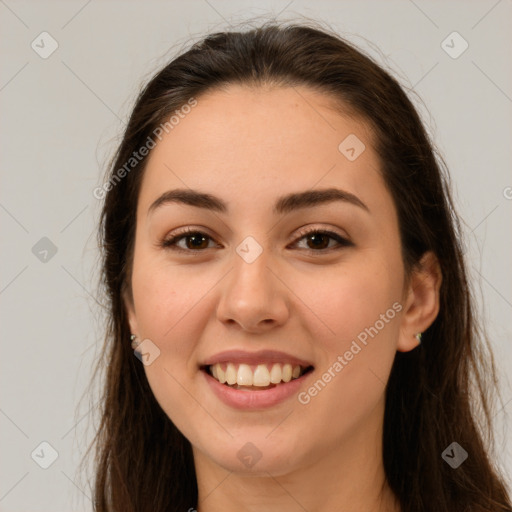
418,337
135,342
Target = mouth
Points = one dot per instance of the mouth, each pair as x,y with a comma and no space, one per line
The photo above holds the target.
255,377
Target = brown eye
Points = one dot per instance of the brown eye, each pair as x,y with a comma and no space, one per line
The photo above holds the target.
197,241
319,241
193,241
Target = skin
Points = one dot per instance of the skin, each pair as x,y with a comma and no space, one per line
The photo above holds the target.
248,147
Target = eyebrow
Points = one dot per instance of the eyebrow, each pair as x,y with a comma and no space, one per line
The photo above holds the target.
284,204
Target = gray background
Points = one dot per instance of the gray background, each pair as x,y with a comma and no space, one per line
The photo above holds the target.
61,118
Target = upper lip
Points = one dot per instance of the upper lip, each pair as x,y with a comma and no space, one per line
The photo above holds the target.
262,356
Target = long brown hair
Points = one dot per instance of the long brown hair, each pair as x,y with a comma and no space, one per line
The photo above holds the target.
438,394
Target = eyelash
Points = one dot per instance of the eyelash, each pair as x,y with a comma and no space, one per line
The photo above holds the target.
170,243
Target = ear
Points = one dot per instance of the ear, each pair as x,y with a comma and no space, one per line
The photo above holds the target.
421,305
130,311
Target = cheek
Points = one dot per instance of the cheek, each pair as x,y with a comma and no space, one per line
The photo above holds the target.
164,298
350,301
169,313
361,310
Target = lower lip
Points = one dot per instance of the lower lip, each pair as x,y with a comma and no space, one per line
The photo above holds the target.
240,399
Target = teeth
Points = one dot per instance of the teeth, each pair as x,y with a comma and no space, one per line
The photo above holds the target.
276,373
261,376
230,373
287,372
220,375
244,375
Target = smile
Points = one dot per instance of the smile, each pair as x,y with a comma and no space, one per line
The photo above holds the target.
255,376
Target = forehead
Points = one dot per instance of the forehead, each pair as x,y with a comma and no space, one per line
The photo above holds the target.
247,144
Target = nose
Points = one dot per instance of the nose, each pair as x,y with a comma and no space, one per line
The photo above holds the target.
253,297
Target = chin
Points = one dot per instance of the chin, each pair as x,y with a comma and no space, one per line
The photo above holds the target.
255,455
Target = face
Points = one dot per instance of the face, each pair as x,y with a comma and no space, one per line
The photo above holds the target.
275,273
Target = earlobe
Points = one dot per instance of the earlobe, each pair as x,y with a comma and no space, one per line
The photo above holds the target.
422,304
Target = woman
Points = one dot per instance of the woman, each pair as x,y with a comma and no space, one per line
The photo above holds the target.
281,254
